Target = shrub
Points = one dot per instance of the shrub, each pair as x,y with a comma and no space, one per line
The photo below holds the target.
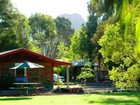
6,81
86,73
48,84
125,79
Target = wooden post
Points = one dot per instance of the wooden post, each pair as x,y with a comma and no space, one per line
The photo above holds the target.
25,73
57,80
15,73
67,77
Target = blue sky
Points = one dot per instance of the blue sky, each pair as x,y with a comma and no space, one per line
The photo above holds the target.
52,7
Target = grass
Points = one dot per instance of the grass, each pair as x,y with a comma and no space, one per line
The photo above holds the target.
124,98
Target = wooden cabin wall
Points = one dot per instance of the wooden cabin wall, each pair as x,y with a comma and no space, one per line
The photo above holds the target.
41,74
35,75
46,72
5,68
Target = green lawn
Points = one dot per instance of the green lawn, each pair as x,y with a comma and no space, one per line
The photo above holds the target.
131,98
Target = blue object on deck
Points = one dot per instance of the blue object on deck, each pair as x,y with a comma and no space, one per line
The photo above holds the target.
21,79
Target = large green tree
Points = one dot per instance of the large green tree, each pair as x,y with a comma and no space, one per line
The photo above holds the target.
91,26
64,29
43,31
77,49
14,28
128,12
119,51
100,12
63,52
96,37
119,41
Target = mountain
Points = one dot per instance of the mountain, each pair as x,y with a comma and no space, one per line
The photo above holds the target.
75,19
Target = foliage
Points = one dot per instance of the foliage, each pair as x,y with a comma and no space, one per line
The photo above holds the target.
58,81
101,29
128,12
84,42
85,73
34,47
6,81
97,36
91,26
23,31
48,84
43,31
62,70
74,47
63,51
105,8
56,70
77,49
12,25
99,11
81,46
120,40
125,79
120,49
64,29
105,12
78,45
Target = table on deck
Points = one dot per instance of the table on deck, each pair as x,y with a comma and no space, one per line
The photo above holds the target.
26,86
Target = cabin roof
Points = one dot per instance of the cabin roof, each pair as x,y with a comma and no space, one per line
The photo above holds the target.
9,53
82,63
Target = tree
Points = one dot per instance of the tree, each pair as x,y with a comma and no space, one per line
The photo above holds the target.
91,26
118,39
126,79
22,31
105,8
128,12
100,11
12,23
64,29
96,37
43,31
86,73
63,52
119,50
77,49
79,44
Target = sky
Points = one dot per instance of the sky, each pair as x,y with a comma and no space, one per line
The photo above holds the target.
52,7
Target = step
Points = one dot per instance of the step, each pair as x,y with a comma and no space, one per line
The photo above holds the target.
97,90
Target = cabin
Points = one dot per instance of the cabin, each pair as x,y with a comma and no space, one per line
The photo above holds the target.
9,59
100,75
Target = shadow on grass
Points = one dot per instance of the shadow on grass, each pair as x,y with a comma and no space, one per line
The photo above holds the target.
15,98
131,93
128,94
116,101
